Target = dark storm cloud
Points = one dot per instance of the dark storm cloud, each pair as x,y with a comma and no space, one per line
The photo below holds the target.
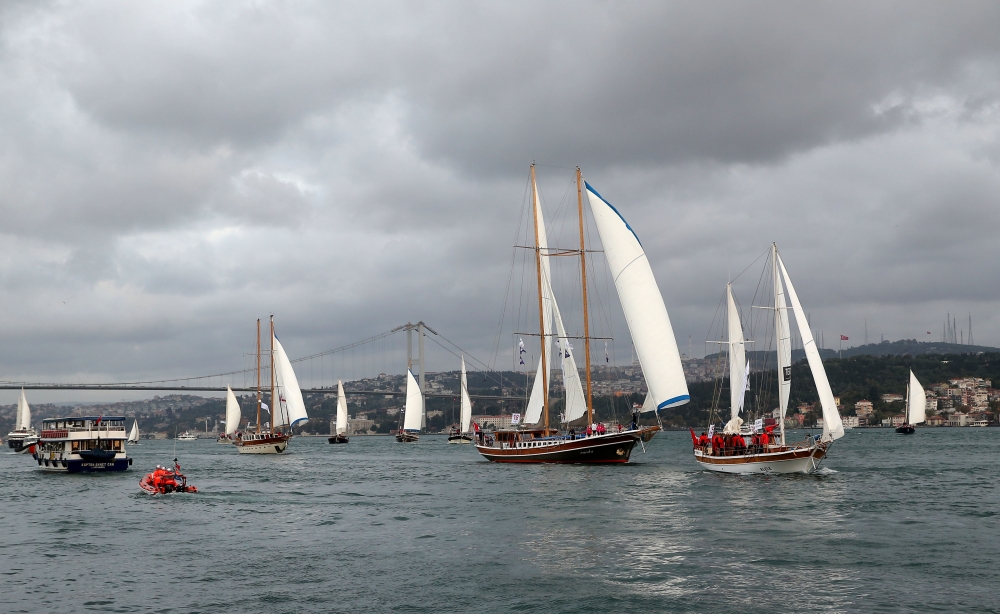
172,171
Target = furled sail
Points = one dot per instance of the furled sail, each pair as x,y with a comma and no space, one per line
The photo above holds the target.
536,402
782,334
341,409
833,427
23,420
233,413
133,435
738,366
916,402
642,303
414,410
466,417
292,409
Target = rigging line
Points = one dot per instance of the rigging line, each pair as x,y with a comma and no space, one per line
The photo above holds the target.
766,251
348,346
510,277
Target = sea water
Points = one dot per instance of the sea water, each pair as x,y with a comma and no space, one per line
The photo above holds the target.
891,523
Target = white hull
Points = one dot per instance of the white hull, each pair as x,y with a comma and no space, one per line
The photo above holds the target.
459,441
802,460
263,448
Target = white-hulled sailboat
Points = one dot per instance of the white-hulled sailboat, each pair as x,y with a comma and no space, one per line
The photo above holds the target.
340,436
23,436
777,457
916,406
287,407
413,412
233,418
651,332
461,435
133,435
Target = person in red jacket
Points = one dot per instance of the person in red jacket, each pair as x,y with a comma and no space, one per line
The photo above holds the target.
703,441
739,445
765,439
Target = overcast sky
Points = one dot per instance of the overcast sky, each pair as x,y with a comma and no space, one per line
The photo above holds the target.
170,171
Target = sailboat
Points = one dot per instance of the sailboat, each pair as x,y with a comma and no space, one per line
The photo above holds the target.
287,407
778,457
651,332
233,417
916,406
461,435
413,412
133,435
340,436
23,436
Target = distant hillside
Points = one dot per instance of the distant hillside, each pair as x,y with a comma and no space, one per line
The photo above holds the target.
885,348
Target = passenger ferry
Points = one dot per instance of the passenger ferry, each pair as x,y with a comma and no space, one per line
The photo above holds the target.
83,444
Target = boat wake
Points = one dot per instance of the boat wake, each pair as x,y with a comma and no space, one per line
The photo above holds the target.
825,471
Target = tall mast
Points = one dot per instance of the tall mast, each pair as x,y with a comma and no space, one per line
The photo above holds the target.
258,376
541,307
274,407
583,284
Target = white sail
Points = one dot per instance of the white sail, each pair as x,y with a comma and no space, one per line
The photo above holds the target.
233,413
782,333
642,303
292,408
536,402
576,403
738,366
133,435
414,410
22,421
833,426
916,402
466,417
341,409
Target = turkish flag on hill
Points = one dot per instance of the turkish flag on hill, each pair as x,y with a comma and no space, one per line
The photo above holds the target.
844,338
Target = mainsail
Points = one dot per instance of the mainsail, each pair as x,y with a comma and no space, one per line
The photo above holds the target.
738,366
233,414
414,410
23,420
341,409
292,409
833,427
642,303
466,417
916,402
782,334
133,435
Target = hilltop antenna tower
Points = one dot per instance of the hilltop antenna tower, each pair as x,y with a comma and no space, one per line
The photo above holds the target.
866,331
970,328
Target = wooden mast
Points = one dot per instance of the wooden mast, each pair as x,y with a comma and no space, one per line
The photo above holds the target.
583,284
258,376
541,307
273,406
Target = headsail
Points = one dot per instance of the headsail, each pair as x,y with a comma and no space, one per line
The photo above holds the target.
292,408
466,417
916,402
414,411
833,427
536,402
133,435
576,403
738,366
233,413
782,334
341,409
23,419
642,303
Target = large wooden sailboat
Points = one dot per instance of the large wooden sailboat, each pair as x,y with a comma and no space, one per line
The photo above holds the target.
916,406
741,456
413,413
649,325
287,407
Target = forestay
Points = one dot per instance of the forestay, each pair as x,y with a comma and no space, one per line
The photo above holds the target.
645,312
233,413
292,409
414,410
833,427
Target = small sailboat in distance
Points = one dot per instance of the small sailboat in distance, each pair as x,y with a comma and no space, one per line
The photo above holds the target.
233,417
916,406
23,436
461,435
413,413
340,436
133,435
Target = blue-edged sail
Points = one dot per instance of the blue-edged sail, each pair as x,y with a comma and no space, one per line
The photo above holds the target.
292,409
833,426
647,318
233,413
341,409
414,410
466,417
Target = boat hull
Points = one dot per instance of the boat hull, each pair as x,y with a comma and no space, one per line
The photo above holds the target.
906,429
600,449
338,439
83,465
459,439
275,444
804,459
404,437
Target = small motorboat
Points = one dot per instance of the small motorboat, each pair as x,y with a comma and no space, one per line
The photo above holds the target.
338,439
164,480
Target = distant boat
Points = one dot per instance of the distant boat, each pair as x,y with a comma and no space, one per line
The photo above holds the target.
133,436
461,435
187,436
233,417
23,436
341,429
413,412
287,407
916,406
775,457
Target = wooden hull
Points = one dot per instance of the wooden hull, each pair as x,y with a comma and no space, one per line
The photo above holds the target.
404,437
338,439
600,449
804,459
271,444
906,429
460,439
